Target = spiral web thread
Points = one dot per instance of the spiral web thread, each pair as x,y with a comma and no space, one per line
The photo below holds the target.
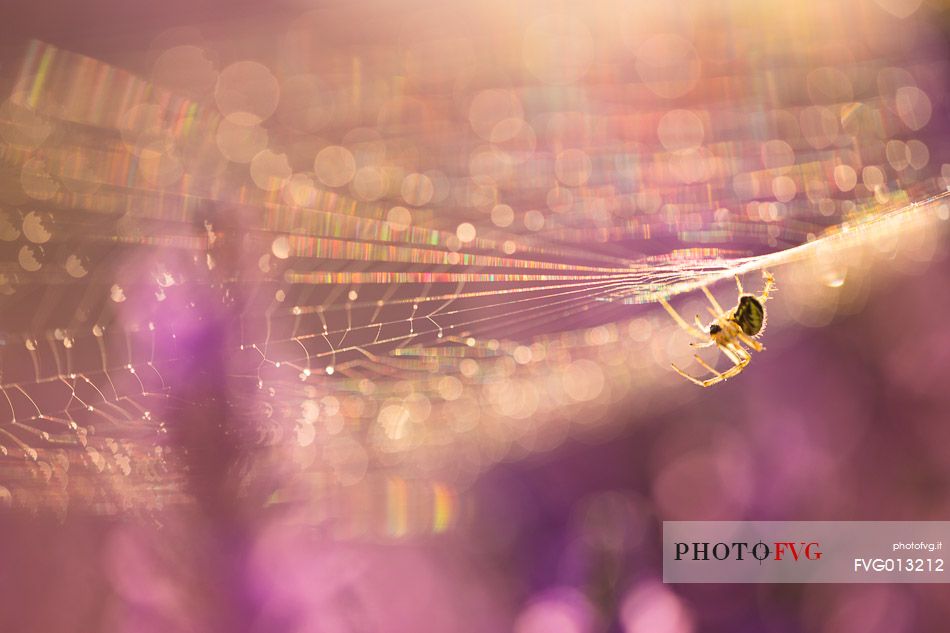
392,346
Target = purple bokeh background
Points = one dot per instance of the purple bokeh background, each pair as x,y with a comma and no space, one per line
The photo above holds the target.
849,421
845,422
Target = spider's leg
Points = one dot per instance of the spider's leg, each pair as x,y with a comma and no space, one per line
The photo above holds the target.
681,322
739,285
728,353
769,286
712,300
702,328
741,353
720,318
695,381
702,383
751,342
743,360
737,355
706,365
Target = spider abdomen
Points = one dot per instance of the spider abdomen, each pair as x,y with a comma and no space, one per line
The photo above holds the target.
750,315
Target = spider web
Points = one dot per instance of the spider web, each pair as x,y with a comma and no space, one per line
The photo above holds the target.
418,330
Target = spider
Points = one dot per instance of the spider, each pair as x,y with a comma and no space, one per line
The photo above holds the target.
728,331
